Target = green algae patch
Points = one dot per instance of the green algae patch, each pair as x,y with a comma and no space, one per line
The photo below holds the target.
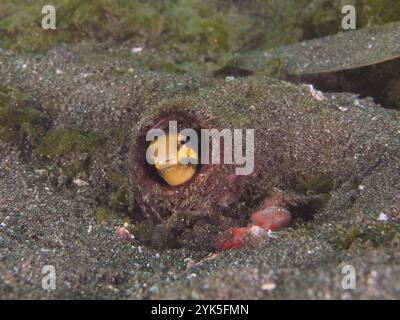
119,200
315,183
70,150
180,36
377,234
274,67
202,36
352,235
105,215
20,121
99,19
197,27
206,30
184,36
60,142
383,233
320,18
379,12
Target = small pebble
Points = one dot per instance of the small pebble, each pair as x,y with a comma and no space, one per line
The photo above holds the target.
190,264
80,183
383,217
40,171
269,286
318,95
137,49
154,289
125,234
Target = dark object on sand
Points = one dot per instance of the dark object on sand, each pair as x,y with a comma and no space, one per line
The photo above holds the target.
365,62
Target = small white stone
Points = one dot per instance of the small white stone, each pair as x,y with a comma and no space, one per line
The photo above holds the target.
318,95
272,234
80,183
59,72
361,187
154,289
383,217
269,286
40,171
258,232
190,264
137,49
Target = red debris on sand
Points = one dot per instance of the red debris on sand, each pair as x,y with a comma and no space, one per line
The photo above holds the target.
234,240
125,234
273,217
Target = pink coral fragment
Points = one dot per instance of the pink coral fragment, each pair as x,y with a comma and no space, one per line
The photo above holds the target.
273,217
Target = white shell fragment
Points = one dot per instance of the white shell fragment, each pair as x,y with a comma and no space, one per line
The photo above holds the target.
383,217
80,183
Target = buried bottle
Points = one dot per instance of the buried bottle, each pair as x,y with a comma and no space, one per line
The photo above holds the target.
295,136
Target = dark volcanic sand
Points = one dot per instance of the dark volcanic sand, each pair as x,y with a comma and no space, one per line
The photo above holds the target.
43,223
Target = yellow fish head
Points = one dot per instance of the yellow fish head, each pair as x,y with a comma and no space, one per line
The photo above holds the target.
174,160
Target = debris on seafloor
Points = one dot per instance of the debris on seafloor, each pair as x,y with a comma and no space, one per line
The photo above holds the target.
268,286
80,182
273,217
383,217
136,50
190,264
125,234
315,93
